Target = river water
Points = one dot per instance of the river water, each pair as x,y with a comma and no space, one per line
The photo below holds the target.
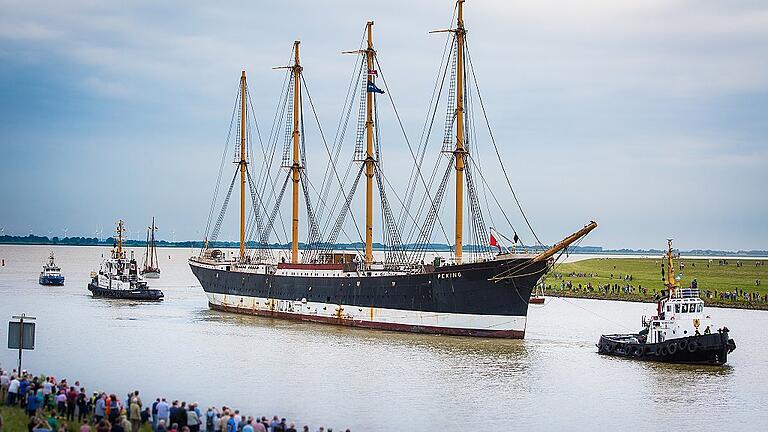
374,380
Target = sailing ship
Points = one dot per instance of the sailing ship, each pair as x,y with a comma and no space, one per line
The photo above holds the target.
118,277
680,332
150,267
51,274
473,292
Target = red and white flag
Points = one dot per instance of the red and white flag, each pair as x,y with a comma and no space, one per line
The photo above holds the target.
372,72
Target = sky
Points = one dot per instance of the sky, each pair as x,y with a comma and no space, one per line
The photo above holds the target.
646,116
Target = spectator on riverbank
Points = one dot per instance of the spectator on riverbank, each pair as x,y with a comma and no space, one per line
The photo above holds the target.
163,412
32,404
135,413
193,420
82,405
212,421
5,381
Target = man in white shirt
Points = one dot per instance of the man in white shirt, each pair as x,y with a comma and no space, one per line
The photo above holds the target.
13,391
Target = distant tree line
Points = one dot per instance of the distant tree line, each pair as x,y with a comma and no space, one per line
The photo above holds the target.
32,239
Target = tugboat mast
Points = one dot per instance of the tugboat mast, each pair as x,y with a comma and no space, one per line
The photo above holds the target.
672,283
369,160
120,230
296,167
242,164
459,152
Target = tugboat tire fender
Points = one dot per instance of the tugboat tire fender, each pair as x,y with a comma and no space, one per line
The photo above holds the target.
672,348
682,345
693,346
662,350
639,351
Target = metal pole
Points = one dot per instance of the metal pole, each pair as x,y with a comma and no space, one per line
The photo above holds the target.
21,339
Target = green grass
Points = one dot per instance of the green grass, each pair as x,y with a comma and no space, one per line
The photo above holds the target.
646,274
16,420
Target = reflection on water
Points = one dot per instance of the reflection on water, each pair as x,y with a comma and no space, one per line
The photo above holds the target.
374,380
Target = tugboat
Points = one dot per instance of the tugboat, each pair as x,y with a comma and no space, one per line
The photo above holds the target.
119,278
51,274
150,268
680,332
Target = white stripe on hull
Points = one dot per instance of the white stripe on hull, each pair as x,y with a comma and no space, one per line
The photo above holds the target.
369,315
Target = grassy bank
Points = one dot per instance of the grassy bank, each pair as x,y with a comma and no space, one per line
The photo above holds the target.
731,282
16,420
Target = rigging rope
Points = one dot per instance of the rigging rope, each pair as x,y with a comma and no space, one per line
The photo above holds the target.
496,148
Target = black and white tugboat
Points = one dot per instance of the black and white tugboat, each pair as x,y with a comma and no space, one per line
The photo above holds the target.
51,274
119,278
680,332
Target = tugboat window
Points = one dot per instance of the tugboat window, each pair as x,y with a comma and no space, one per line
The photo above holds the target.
685,307
677,308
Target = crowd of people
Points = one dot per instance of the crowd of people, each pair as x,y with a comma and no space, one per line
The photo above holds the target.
54,404
626,287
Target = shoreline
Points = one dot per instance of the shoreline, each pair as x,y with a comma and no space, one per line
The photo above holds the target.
123,404
635,299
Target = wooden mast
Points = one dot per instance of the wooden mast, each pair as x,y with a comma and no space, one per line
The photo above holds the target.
460,151
369,160
296,167
243,164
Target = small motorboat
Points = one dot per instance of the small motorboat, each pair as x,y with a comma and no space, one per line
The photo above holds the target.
680,332
51,274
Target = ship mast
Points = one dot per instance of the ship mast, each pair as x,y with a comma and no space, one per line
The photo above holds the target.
369,160
672,283
120,239
296,167
242,163
459,151
153,252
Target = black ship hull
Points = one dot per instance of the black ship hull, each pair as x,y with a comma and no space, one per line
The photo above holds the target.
144,294
467,299
708,349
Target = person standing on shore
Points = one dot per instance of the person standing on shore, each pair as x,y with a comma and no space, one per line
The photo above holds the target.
100,408
212,422
163,412
193,421
71,403
82,405
31,404
135,413
5,382
154,413
224,420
